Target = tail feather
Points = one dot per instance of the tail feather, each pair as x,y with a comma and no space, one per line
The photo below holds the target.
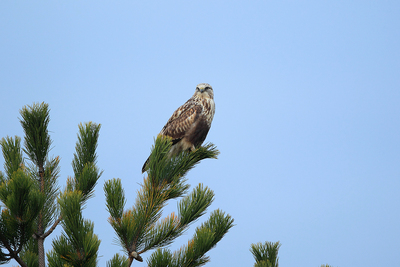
144,168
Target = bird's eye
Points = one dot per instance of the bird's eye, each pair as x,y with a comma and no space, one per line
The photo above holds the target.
197,89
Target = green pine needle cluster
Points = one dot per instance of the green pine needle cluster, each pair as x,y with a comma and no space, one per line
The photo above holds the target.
11,148
193,254
266,255
78,245
141,228
164,169
23,203
118,261
35,120
85,159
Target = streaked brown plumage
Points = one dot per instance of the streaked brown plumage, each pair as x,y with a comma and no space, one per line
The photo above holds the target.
190,123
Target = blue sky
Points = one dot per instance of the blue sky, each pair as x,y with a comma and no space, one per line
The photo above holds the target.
307,111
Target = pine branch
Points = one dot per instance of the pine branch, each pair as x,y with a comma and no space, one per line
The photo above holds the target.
133,226
163,169
78,245
265,255
11,255
193,254
50,189
118,261
85,146
140,229
4,258
23,202
190,208
194,205
84,162
35,120
12,153
115,197
144,214
163,233
53,227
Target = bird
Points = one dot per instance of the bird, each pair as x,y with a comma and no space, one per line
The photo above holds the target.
189,124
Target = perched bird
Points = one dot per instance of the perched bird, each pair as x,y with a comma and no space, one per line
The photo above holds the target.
190,123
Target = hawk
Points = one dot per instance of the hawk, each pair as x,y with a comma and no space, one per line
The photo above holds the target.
190,123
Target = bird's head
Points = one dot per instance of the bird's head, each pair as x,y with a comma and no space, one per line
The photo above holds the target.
204,90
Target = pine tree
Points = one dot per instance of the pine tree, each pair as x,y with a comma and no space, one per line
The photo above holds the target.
141,228
31,210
